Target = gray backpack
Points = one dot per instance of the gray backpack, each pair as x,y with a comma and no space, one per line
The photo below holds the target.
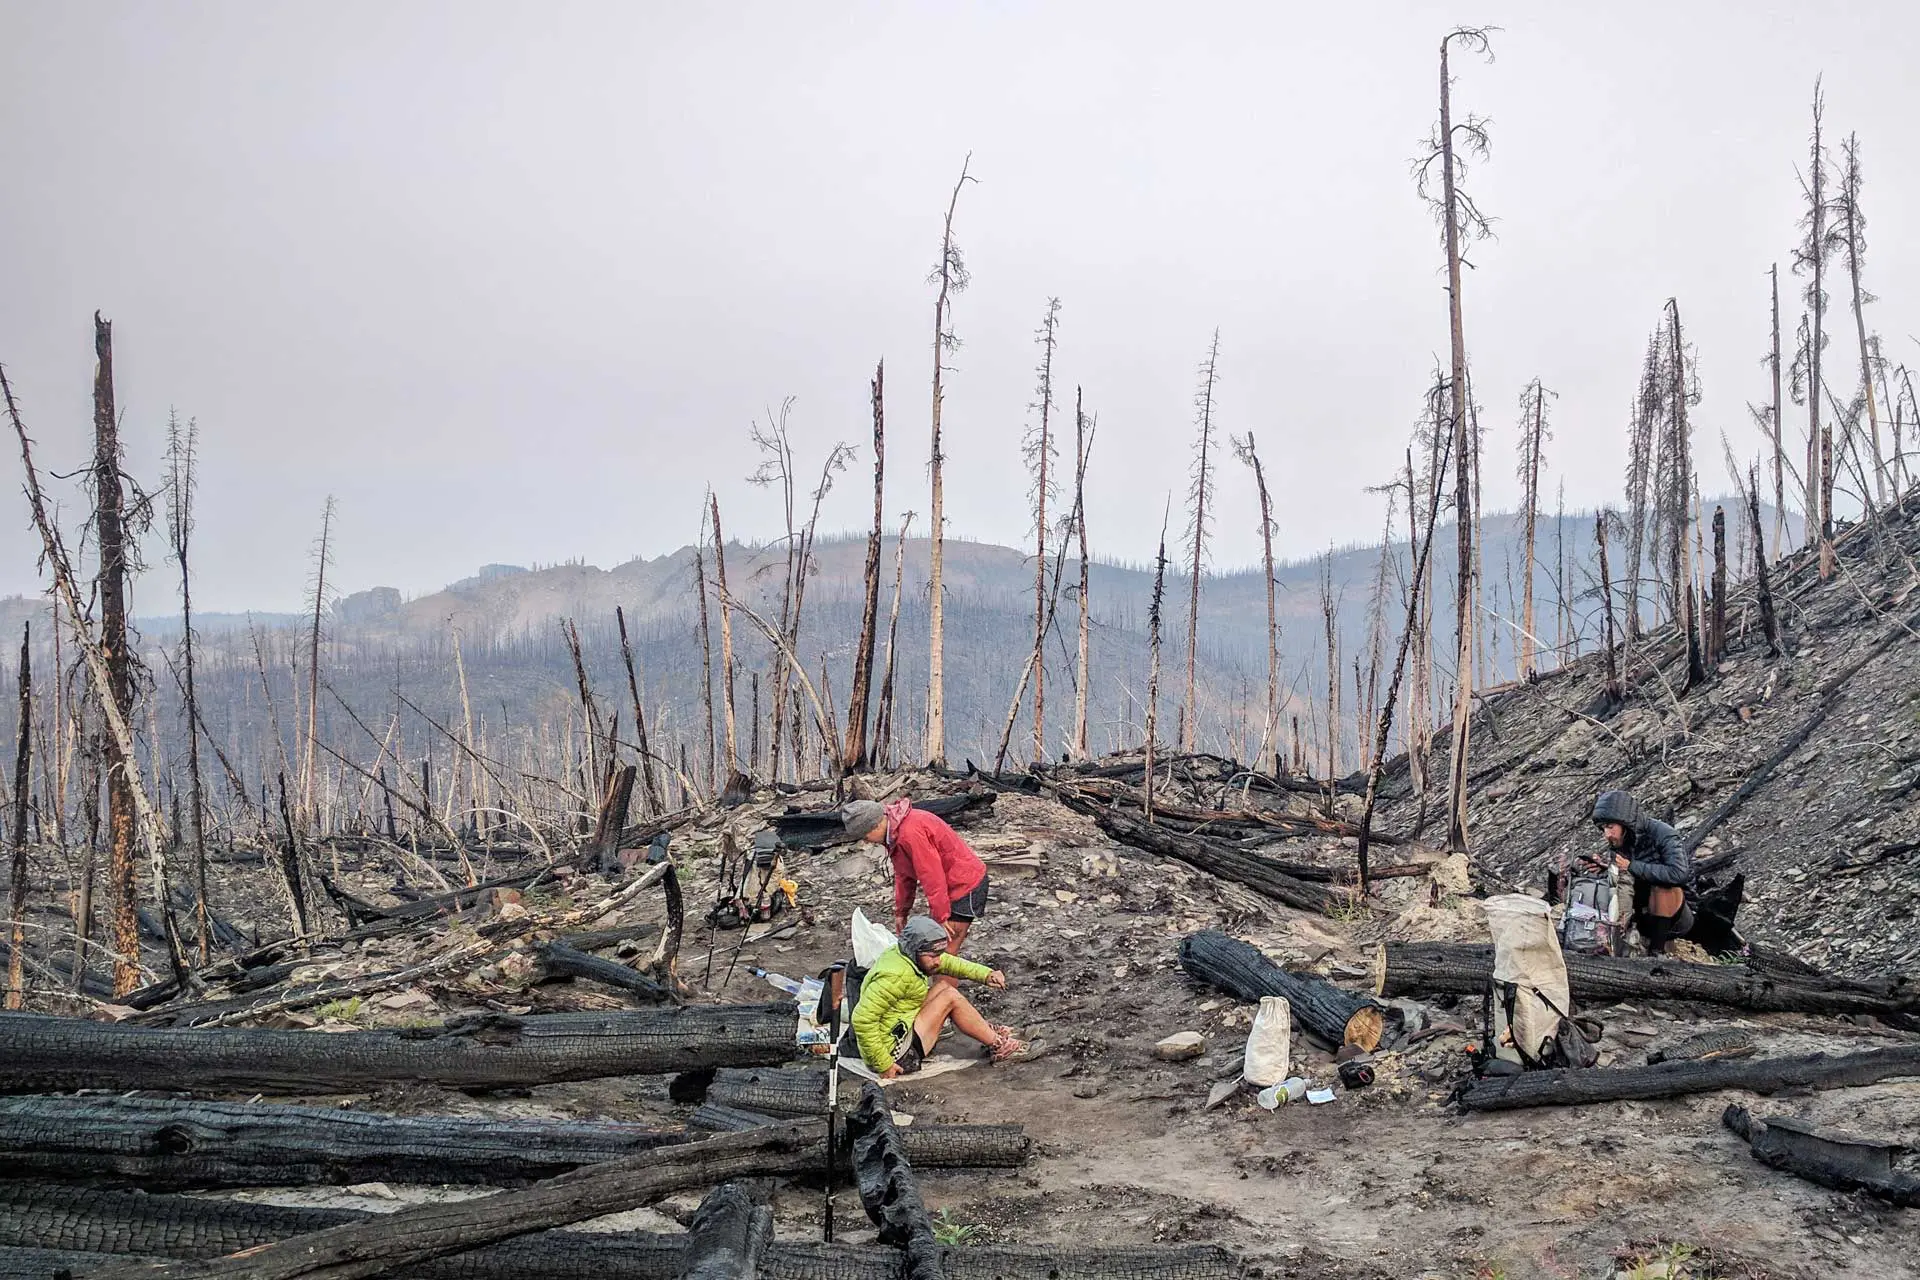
1588,926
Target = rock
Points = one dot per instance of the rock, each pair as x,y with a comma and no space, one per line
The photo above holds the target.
1180,1046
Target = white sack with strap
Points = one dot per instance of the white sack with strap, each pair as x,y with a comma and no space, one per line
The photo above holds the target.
1526,953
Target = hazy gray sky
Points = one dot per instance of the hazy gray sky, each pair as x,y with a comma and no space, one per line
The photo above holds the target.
512,280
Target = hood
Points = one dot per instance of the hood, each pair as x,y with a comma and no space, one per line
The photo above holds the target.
1618,806
897,810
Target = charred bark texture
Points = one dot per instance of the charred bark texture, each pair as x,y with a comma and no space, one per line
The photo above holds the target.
44,1055
729,1237
1454,968
1843,1161
1565,1087
161,1144
565,961
1331,1014
1219,858
888,1189
421,1233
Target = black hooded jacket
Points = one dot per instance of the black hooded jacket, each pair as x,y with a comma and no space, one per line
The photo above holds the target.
1655,852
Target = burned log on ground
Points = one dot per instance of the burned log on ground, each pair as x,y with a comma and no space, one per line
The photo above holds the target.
421,1233
640,1255
1843,1161
729,1236
1220,858
51,1055
1331,1014
1464,968
459,899
803,1093
564,961
821,828
888,1188
163,1144
1565,1087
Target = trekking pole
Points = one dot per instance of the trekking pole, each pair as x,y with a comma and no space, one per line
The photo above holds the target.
766,842
833,1106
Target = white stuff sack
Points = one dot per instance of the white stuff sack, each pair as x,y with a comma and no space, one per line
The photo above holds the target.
1526,953
870,941
1269,1044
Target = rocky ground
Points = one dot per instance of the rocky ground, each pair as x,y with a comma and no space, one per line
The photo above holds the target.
1385,1181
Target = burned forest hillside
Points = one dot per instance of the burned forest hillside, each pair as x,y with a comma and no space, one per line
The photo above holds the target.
1798,771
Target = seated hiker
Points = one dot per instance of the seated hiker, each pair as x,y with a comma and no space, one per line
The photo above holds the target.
900,1015
928,856
1660,863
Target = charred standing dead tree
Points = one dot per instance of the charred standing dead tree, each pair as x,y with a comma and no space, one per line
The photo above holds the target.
706,656
1717,617
1853,235
1811,259
776,471
1200,513
858,756
119,744
1082,449
116,544
1677,495
1039,450
1329,617
656,802
22,781
180,486
1763,589
952,276
589,709
884,717
726,640
1245,451
1153,663
1642,433
1613,690
1461,222
1423,550
309,762
1775,424
1533,435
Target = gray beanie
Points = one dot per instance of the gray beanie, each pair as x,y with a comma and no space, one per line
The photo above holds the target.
922,934
862,816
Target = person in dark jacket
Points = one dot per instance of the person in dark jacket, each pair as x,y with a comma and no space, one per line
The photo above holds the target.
1660,863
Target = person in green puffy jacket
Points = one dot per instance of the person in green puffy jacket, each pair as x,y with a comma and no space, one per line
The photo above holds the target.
901,1013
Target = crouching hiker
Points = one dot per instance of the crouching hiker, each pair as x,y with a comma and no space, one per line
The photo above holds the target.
900,1015
928,857
1660,863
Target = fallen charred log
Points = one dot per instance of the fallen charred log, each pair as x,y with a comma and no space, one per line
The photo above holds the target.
639,1255
49,1055
821,828
420,1233
1456,968
888,1188
565,961
1215,857
1564,1087
161,1144
729,1236
1843,1161
1332,1014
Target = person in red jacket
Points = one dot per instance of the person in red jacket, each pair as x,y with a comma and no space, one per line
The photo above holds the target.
928,857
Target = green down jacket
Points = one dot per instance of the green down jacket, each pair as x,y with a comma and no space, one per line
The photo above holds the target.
891,996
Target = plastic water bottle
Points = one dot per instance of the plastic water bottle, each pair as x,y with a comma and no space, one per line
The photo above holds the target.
791,986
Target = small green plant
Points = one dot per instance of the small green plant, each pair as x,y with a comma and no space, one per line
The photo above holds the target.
1669,1263
946,1231
343,1010
1349,910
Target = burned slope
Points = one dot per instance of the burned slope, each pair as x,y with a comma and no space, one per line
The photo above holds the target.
1799,772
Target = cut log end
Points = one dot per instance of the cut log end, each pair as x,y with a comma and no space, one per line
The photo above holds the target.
1365,1028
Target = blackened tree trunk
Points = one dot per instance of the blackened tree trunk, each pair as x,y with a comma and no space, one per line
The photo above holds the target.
22,777
111,583
656,802
857,755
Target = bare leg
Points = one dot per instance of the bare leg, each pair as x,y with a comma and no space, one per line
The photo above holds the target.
956,934
947,1002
